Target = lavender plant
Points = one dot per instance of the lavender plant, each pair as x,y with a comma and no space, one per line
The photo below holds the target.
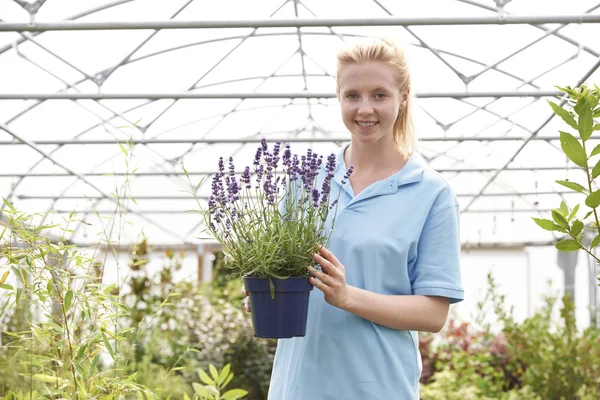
271,220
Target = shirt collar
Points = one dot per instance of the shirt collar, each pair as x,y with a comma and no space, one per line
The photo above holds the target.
411,172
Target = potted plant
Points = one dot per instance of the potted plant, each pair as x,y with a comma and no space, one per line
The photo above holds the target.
579,112
270,220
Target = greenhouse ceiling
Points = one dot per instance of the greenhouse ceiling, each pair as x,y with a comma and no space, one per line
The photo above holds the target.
101,102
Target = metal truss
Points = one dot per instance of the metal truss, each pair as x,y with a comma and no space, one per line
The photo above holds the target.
297,23
164,167
283,95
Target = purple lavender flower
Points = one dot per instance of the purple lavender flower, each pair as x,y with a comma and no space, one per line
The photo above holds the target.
326,187
275,158
245,179
315,197
287,157
347,175
263,144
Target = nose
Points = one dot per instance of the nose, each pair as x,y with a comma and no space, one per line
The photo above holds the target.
365,107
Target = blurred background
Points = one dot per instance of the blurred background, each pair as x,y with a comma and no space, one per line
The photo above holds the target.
102,101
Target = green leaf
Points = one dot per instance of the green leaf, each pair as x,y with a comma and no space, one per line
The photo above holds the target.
597,127
4,277
18,297
108,347
578,107
567,245
576,228
595,242
596,113
68,298
214,372
596,151
224,373
205,378
547,224
564,114
587,215
573,149
200,390
593,200
563,210
124,150
586,122
272,288
9,205
6,286
596,170
560,219
48,379
573,213
234,394
574,186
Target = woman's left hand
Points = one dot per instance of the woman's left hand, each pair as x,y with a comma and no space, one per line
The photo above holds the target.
331,280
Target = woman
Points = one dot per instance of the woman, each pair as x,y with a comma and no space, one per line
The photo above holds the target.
392,266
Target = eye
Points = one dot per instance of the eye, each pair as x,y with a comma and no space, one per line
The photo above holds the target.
380,96
352,96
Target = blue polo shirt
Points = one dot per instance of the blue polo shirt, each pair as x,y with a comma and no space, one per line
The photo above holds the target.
399,236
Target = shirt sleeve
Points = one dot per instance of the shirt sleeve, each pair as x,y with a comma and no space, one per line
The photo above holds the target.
436,270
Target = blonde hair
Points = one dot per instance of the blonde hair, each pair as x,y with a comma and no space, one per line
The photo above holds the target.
393,54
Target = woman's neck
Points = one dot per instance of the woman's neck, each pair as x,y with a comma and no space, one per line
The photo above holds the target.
375,157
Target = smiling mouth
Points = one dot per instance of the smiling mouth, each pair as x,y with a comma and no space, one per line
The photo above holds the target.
370,123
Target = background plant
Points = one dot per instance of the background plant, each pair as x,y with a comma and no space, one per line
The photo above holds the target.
578,111
543,357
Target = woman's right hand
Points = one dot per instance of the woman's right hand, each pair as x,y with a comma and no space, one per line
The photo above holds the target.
246,299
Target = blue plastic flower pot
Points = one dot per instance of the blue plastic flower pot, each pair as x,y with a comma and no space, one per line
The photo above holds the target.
283,316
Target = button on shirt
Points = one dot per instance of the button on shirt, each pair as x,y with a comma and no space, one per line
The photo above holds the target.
399,236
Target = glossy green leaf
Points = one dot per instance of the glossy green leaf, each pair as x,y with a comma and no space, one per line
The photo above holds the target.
560,219
234,394
596,151
596,170
205,378
575,186
68,299
573,213
547,224
573,149
200,390
593,200
564,114
214,373
595,242
577,228
563,210
224,373
567,245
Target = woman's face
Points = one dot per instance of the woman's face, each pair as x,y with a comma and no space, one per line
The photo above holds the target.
370,100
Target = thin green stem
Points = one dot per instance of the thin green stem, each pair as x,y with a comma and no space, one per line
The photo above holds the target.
590,180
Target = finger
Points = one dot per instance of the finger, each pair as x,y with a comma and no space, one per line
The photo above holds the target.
327,265
247,304
318,284
244,292
320,275
329,255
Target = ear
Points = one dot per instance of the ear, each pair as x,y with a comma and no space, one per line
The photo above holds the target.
405,96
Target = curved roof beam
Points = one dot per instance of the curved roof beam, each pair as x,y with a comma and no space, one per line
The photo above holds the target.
73,17
498,171
86,181
298,23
